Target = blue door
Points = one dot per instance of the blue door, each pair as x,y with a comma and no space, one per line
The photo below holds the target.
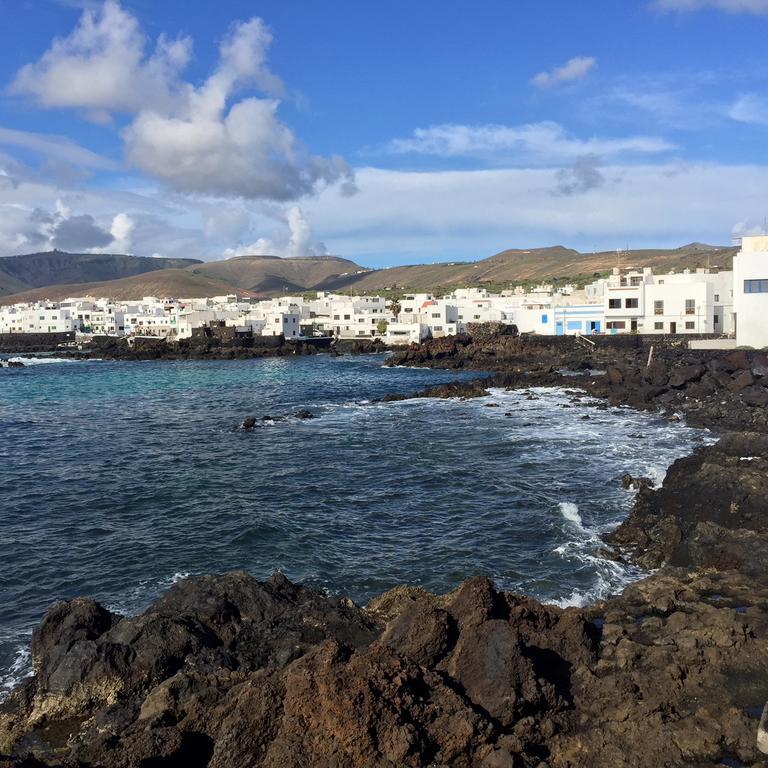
558,328
594,326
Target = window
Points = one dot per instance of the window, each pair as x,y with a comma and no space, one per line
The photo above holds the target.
658,307
436,314
615,325
623,281
690,306
544,318
717,319
689,325
614,303
637,280
631,303
346,317
437,327
573,325
717,297
756,286
661,282
658,326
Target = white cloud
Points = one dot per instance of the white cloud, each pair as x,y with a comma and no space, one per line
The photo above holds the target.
730,6
420,216
197,139
55,147
545,141
576,68
102,66
295,241
121,231
751,109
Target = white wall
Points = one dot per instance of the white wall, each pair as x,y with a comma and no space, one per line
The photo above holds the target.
750,301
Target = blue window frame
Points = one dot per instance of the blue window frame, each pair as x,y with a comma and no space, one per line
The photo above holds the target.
574,325
756,286
544,318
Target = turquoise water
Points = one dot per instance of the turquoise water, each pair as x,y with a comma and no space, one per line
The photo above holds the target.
116,478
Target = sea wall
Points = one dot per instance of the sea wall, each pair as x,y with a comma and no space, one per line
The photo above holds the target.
34,342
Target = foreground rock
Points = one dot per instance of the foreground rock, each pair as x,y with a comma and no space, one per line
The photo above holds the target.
229,671
226,670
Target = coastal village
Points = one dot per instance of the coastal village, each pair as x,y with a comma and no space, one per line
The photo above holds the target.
730,306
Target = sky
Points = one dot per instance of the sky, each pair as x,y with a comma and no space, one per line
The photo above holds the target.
386,133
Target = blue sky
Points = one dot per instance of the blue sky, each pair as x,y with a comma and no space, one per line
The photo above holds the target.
387,133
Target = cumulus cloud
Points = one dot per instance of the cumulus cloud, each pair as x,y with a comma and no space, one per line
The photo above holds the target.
103,66
582,176
576,68
751,109
197,139
545,141
38,228
294,242
730,6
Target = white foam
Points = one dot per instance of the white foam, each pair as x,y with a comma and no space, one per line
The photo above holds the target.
40,360
19,669
570,512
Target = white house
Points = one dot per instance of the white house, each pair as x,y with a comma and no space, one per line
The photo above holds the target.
750,292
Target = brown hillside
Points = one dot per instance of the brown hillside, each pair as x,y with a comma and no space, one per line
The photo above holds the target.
162,283
262,276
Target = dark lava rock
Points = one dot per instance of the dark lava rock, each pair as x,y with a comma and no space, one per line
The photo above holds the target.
249,423
303,413
686,374
741,381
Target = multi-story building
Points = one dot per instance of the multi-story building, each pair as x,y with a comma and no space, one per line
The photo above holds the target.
750,292
638,301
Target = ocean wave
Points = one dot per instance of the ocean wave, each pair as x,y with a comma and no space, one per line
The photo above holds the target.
570,512
40,360
20,668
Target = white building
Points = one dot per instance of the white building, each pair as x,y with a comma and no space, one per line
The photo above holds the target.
750,292
638,301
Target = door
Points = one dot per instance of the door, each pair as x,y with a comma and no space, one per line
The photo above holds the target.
673,327
633,326
559,328
594,326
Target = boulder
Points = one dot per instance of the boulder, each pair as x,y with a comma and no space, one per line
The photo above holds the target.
685,375
760,365
740,381
755,396
738,360
656,374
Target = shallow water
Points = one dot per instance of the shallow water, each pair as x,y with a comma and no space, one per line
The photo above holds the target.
117,478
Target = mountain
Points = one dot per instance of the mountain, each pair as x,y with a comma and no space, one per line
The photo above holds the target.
261,276
248,276
529,265
37,270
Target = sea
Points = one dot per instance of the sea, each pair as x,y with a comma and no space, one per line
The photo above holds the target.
117,479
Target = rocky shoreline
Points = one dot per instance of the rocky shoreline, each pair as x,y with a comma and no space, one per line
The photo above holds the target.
225,670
